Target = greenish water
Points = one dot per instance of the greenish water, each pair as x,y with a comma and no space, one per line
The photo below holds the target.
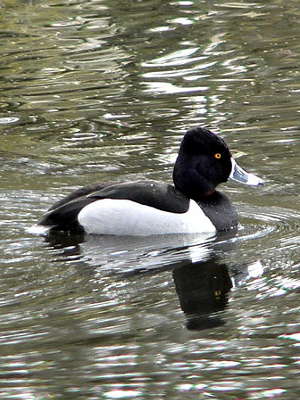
103,91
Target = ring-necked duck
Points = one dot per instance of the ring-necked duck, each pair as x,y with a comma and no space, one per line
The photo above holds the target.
192,205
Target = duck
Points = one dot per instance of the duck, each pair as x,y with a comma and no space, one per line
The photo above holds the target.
190,205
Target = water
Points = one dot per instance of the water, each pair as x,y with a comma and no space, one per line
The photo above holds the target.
103,91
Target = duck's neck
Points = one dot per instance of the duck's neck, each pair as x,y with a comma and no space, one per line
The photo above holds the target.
207,194
194,188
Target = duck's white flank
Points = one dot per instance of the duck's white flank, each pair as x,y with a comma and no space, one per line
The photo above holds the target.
125,217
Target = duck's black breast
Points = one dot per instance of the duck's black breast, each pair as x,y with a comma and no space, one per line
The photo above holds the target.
63,215
218,208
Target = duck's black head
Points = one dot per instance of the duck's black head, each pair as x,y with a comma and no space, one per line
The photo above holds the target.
203,162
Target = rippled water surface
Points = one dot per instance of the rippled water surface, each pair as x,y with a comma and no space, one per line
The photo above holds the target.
103,90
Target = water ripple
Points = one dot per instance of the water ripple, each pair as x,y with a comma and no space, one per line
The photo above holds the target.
103,90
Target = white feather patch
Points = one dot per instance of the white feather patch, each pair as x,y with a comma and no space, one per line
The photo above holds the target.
126,217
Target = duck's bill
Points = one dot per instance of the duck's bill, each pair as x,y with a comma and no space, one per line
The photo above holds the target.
239,175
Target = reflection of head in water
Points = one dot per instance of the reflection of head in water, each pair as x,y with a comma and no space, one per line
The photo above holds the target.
202,288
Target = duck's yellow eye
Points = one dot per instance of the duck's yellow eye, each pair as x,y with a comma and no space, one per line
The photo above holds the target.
218,156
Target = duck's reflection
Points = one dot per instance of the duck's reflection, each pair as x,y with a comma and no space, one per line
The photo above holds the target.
202,280
202,289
